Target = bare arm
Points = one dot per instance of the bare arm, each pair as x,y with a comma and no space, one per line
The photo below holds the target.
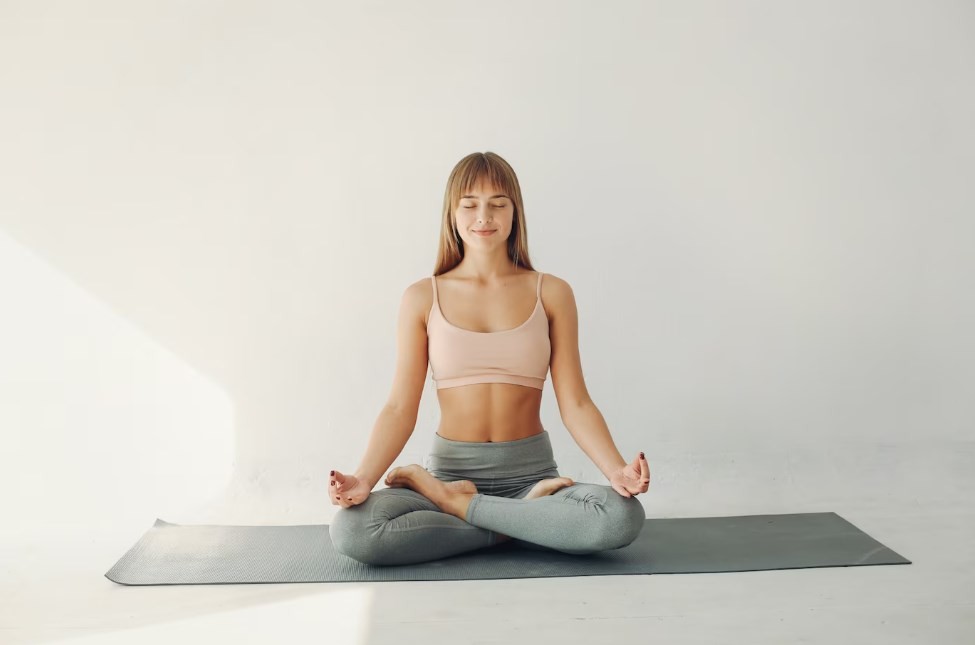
579,414
397,419
588,428
389,435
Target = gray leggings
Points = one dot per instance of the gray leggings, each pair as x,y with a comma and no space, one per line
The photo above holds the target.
401,526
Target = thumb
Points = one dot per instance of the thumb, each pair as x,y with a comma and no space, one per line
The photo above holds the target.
339,480
622,491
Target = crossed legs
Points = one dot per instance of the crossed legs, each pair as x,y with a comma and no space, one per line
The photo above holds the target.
421,518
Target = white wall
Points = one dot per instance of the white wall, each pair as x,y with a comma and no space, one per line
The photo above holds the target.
100,422
209,211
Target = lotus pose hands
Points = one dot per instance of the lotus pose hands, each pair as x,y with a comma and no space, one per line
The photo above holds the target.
347,490
633,478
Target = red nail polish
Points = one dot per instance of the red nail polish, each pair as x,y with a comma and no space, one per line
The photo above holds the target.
641,456
332,473
332,483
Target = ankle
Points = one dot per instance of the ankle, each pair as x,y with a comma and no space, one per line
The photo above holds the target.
457,504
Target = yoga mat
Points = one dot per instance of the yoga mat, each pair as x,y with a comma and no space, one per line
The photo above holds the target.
173,554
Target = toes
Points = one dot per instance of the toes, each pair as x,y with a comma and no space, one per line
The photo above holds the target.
561,482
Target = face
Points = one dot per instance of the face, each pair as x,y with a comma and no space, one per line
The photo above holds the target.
484,208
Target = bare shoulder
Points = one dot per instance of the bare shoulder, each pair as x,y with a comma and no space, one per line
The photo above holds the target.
411,351
557,296
418,298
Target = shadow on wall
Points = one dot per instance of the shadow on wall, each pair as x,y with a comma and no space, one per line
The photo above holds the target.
101,423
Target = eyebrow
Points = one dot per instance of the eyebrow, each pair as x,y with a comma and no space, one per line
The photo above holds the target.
475,196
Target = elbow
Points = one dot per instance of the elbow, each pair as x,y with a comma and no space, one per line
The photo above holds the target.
408,413
575,409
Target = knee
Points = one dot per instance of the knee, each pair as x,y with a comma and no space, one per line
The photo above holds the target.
620,521
628,517
352,536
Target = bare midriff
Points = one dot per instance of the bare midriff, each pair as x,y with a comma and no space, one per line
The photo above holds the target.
485,412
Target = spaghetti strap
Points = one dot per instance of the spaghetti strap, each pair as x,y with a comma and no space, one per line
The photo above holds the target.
538,290
435,306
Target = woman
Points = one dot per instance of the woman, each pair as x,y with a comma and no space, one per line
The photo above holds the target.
492,474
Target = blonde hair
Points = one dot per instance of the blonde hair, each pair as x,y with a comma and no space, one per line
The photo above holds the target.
494,170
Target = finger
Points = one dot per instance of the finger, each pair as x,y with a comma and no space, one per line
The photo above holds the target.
622,491
644,469
636,463
644,485
357,499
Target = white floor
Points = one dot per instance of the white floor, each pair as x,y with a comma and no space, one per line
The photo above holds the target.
53,589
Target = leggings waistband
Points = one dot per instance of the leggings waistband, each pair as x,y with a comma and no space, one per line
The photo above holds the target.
492,459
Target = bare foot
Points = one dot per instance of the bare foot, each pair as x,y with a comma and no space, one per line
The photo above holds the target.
461,486
547,487
450,497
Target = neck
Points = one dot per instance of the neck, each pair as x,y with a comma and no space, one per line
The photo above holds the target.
487,268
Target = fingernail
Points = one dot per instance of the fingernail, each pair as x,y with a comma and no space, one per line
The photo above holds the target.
348,499
331,483
641,456
337,497
332,473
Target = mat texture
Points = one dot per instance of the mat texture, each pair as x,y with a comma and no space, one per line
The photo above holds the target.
173,554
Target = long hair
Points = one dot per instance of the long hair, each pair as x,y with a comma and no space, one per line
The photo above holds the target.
465,175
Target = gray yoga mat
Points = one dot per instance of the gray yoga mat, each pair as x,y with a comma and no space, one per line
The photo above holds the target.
173,554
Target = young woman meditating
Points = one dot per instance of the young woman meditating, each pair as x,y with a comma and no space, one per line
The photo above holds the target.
490,328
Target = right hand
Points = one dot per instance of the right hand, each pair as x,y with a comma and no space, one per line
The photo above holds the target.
347,490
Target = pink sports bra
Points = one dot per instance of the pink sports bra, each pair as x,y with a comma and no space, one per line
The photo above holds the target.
463,357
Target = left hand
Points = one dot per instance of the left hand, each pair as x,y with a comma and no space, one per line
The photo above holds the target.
633,478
